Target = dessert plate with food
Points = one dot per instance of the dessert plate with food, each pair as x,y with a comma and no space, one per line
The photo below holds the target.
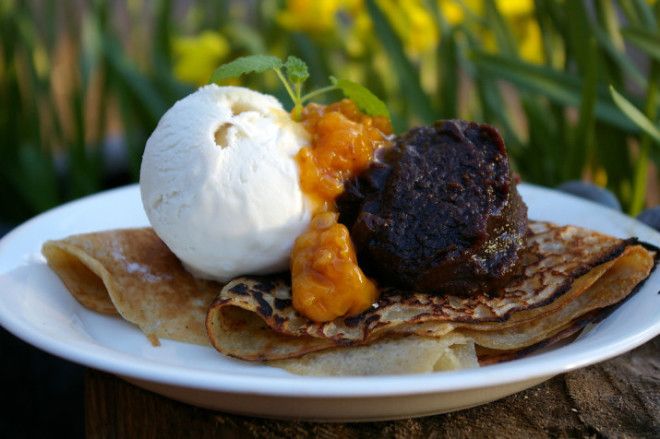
312,264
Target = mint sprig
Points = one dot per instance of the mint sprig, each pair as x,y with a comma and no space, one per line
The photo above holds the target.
362,96
296,69
247,64
296,75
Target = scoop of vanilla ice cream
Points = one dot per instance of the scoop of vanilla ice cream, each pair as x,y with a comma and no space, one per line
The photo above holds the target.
220,184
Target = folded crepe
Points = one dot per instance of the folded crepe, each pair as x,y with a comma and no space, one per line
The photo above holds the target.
568,277
133,274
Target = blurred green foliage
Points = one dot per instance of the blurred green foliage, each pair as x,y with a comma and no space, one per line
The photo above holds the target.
74,76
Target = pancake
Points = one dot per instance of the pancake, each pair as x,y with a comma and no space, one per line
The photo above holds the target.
388,356
132,273
568,276
566,272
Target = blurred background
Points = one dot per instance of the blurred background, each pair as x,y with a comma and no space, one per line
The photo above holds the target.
83,83
572,85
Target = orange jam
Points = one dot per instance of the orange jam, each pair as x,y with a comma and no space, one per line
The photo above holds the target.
326,280
343,144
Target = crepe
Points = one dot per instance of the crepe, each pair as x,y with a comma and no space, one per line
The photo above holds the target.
133,274
388,356
566,272
569,276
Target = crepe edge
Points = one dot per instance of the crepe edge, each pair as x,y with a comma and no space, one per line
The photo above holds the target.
220,307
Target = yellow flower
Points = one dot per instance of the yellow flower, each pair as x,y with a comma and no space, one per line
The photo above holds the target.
454,11
414,24
600,177
528,36
451,11
360,31
313,16
412,21
197,57
515,8
519,15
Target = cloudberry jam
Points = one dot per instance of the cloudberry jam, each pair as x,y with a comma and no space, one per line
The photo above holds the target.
326,280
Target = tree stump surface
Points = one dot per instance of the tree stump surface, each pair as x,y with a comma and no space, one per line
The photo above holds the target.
617,398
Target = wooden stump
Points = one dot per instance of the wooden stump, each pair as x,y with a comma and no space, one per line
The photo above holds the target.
617,398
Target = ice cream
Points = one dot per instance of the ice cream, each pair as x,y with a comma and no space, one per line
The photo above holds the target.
220,184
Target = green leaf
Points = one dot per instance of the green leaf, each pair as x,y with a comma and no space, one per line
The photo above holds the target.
363,98
645,40
216,13
449,76
497,24
311,50
608,17
161,35
35,176
635,115
447,59
244,37
616,161
579,34
630,12
125,74
557,86
645,12
401,66
607,43
438,17
543,144
246,64
583,141
296,69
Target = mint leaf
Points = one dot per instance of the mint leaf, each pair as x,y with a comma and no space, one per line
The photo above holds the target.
362,96
246,64
296,69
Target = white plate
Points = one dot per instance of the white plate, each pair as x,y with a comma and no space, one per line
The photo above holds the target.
35,306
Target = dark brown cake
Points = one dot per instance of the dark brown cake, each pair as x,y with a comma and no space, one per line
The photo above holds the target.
439,213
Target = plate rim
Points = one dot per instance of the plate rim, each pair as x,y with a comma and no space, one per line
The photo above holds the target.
121,363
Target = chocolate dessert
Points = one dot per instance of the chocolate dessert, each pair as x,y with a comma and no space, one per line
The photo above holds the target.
439,213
